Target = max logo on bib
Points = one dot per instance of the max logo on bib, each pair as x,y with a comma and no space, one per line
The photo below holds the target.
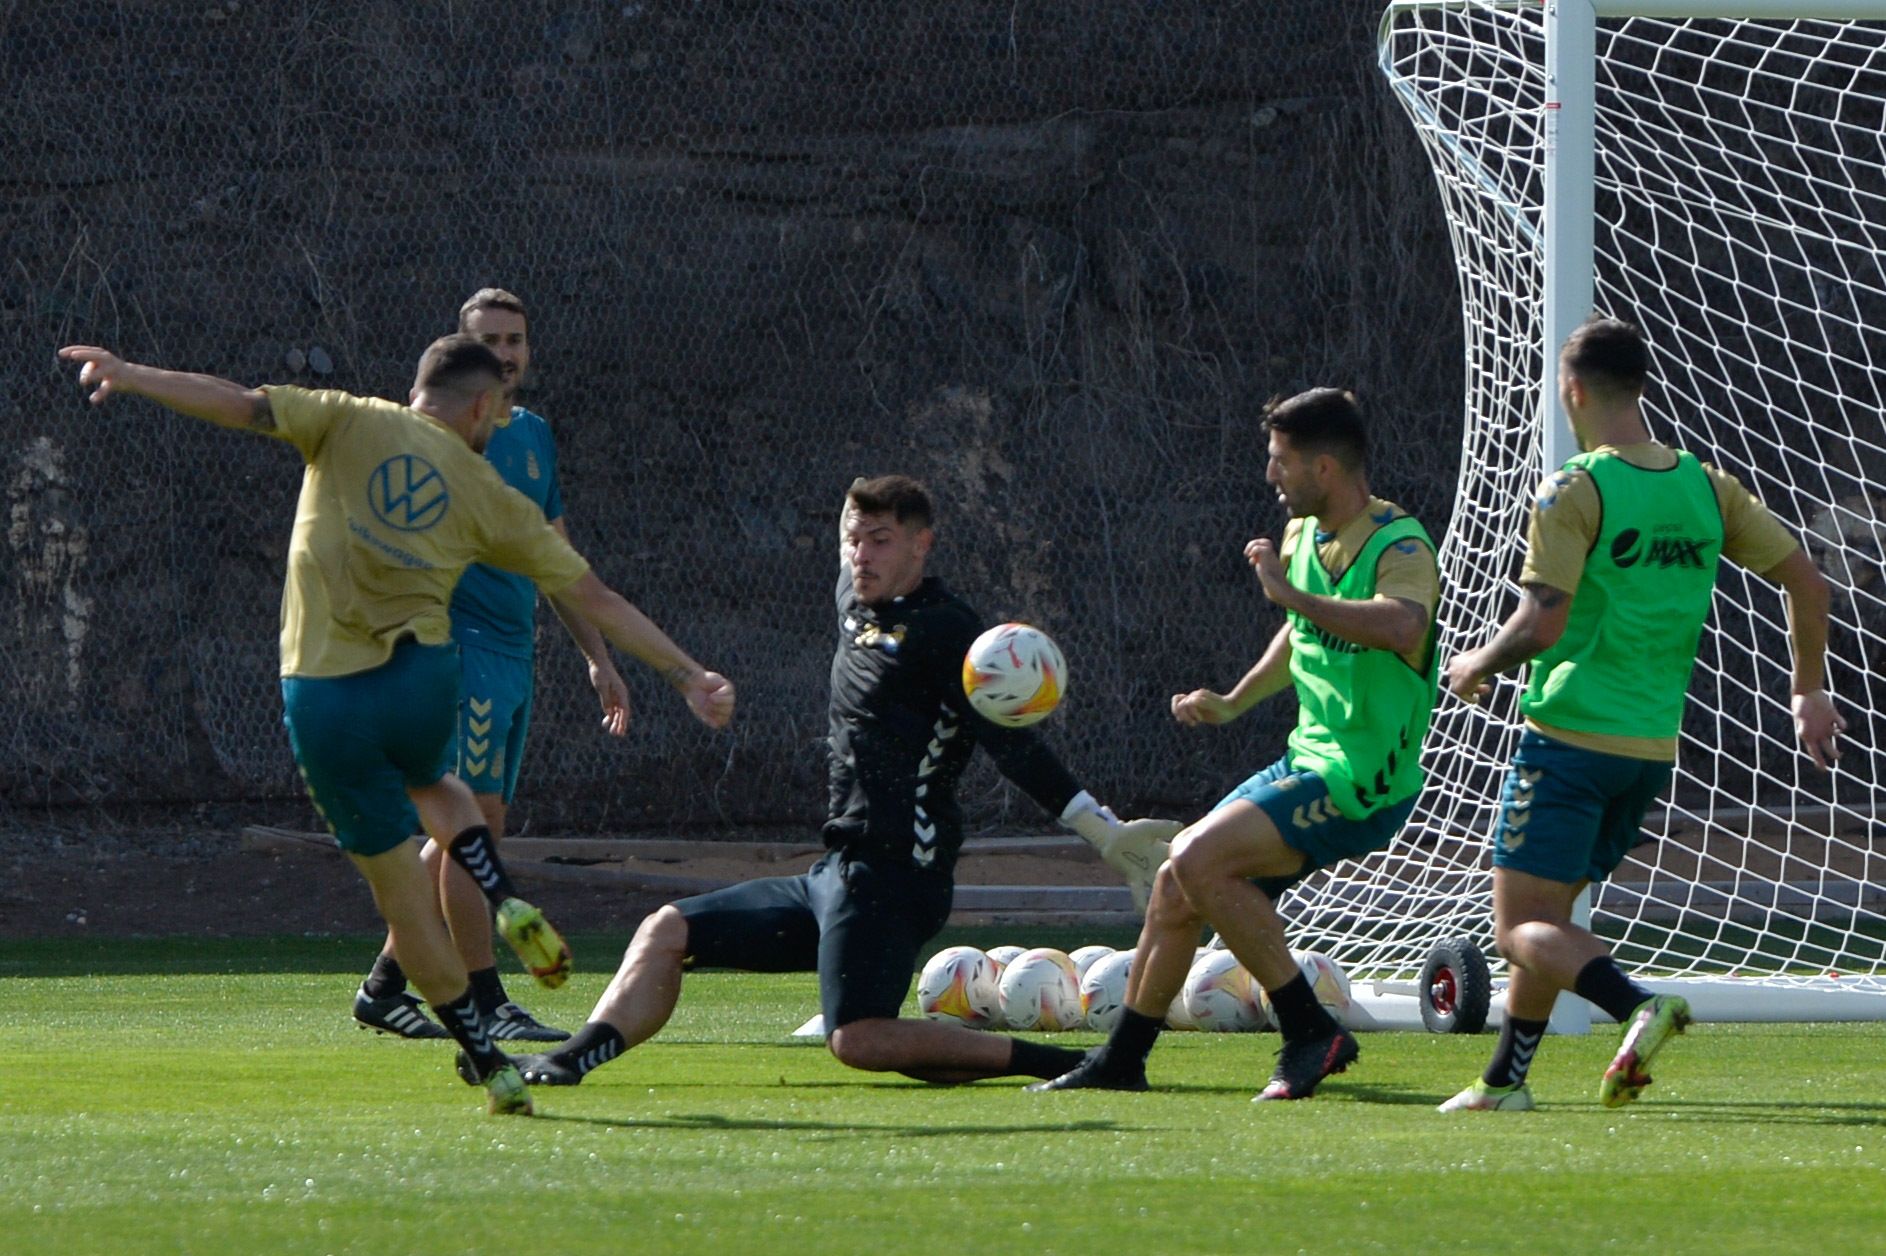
1629,548
407,493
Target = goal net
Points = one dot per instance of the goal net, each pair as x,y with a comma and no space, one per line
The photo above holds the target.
1739,188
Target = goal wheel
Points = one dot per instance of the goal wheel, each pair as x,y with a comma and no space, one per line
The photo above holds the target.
1456,988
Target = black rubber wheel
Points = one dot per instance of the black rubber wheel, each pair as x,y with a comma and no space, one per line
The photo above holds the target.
1456,988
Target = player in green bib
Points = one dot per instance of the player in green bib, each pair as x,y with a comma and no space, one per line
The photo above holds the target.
1358,584
1620,569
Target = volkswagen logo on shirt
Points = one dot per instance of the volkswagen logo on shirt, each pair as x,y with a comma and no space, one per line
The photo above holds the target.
407,493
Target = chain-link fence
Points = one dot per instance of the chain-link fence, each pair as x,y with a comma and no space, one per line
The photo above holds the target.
1050,258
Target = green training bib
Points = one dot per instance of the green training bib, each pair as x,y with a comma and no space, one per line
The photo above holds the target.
1623,665
1362,712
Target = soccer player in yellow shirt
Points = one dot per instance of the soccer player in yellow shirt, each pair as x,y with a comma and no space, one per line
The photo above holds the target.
494,621
395,502
1621,560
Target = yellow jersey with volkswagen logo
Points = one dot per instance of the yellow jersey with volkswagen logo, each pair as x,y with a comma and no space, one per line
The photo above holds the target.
394,506
1634,533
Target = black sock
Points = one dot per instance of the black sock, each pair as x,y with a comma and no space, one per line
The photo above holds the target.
1299,1015
487,988
1038,1059
590,1047
475,852
1132,1038
1603,984
1518,1040
464,1022
386,978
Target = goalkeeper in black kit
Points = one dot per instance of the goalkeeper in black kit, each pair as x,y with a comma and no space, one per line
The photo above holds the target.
901,734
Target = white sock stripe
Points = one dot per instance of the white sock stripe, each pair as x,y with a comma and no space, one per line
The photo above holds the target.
473,1023
478,859
596,1057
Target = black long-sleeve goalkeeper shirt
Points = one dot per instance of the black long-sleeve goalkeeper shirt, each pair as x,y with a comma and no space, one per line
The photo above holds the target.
902,731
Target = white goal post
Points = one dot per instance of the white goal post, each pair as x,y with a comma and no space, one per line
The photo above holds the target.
1714,171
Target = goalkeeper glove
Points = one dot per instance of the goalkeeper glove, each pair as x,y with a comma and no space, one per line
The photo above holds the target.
1132,848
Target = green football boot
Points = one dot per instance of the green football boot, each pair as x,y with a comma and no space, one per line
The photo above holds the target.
1649,1027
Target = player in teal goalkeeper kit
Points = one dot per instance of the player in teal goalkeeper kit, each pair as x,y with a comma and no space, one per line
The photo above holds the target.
494,621
1620,568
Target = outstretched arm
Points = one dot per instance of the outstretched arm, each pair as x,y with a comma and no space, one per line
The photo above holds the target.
1816,722
1132,848
709,694
1534,627
1269,675
220,401
610,689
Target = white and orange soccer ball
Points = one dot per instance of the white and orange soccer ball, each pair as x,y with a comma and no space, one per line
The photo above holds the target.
1103,991
1178,1015
1004,955
1014,675
1087,957
1221,996
1039,991
1327,978
959,984
1327,981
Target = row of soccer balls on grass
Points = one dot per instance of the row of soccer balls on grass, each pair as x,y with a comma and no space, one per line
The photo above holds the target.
1008,987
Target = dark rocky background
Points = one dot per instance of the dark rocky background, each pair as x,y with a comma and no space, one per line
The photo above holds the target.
1051,258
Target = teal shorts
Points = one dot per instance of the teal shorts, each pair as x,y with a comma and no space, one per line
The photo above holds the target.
1298,804
362,740
1569,814
493,719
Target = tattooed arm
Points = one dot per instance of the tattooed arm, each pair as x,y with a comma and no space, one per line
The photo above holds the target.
1533,627
220,401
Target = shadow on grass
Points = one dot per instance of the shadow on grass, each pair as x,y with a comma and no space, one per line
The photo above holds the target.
1371,1092
715,1122
893,1083
1357,1092
1859,1115
328,953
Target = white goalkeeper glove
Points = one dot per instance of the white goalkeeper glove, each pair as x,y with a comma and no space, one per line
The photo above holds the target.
1132,848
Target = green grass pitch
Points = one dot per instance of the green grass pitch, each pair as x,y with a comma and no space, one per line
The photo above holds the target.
198,1097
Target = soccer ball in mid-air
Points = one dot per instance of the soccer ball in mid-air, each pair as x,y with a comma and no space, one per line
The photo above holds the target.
1014,675
1103,990
1221,996
959,984
1039,991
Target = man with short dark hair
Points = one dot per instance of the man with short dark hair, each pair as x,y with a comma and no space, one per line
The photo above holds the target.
1357,581
901,734
494,621
1622,551
395,503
